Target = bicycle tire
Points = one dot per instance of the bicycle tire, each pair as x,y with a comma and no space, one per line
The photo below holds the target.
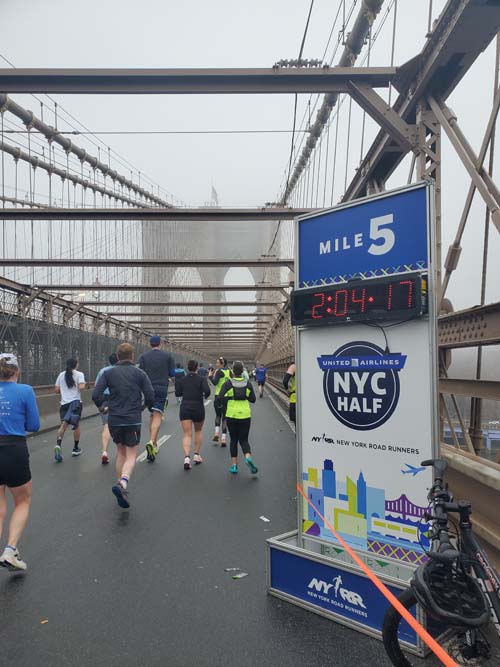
390,628
399,658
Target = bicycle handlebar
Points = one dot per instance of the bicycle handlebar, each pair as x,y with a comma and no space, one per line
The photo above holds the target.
439,497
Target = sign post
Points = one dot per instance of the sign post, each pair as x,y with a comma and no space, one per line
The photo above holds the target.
366,356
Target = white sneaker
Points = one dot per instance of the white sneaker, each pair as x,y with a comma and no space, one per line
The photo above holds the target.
187,463
197,458
10,559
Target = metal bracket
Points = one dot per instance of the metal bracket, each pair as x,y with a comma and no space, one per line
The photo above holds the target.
376,107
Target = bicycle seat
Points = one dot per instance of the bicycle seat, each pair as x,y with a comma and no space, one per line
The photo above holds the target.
439,466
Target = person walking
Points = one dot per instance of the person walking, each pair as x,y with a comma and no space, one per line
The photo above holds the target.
105,437
179,373
69,385
193,389
261,376
289,384
18,414
127,386
217,378
159,367
236,394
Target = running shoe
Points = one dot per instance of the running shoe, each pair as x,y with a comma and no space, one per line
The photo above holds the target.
76,451
223,440
187,463
11,560
215,438
233,469
104,458
151,451
197,458
121,495
58,454
253,468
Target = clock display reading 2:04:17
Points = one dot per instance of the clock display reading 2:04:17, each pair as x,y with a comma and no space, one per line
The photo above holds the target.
379,298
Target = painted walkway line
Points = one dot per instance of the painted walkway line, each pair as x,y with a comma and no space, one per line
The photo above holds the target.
419,629
161,441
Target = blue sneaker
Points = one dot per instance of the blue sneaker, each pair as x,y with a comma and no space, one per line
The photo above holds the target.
253,468
58,454
233,469
121,495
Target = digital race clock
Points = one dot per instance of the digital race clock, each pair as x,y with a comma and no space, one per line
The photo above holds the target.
393,298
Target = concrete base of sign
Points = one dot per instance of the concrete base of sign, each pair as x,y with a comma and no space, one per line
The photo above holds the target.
333,588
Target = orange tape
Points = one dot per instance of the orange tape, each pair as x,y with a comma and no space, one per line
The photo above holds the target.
419,629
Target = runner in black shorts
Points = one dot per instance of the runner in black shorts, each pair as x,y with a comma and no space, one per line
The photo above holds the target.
159,366
19,414
193,389
127,385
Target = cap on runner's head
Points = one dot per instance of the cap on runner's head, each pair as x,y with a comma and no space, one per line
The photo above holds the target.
9,359
154,341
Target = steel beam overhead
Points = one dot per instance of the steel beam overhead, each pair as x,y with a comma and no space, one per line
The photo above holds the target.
470,327
208,214
254,81
190,315
163,304
165,288
487,389
145,323
448,54
150,263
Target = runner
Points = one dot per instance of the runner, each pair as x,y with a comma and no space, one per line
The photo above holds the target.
19,414
179,373
289,384
127,385
69,384
159,367
202,371
193,389
261,376
217,378
105,437
236,394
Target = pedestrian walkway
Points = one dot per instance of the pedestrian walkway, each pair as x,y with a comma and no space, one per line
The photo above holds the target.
146,586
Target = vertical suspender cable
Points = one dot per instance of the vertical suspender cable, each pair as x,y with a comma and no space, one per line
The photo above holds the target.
339,107
326,162
393,44
348,143
319,171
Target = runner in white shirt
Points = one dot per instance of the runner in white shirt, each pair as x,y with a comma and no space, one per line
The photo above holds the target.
69,384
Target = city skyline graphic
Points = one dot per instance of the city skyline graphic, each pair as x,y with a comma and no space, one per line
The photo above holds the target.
363,516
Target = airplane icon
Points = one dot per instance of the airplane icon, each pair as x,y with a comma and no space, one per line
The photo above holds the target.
412,470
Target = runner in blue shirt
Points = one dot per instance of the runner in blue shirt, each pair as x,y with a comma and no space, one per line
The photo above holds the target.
18,414
261,376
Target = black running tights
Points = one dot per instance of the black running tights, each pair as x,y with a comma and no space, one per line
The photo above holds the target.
220,419
239,430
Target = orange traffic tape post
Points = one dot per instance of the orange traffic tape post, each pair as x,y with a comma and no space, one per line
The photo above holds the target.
411,620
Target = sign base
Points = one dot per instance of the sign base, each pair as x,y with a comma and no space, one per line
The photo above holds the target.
334,589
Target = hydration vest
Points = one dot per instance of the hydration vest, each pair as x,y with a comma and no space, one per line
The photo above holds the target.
226,373
238,405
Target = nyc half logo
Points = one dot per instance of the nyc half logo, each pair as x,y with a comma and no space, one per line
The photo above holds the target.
361,384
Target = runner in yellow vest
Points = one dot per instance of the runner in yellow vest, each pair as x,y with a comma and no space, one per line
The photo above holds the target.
289,384
217,378
236,394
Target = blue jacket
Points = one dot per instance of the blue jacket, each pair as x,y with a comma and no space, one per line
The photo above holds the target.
127,385
18,409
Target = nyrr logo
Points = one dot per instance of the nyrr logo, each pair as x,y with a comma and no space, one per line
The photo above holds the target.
324,587
361,384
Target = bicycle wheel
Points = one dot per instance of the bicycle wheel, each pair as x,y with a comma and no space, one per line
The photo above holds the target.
453,643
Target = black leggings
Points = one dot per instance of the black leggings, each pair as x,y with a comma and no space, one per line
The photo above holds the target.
220,417
239,430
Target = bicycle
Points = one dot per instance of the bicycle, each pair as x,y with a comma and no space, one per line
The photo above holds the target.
456,587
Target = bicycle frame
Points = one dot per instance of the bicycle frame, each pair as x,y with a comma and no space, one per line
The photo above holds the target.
486,576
